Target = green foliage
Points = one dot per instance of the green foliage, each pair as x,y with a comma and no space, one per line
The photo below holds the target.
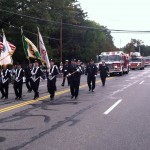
78,42
136,46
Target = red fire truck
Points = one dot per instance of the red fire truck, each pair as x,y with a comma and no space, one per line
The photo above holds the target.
117,62
136,61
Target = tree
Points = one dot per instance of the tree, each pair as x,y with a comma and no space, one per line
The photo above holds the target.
133,46
82,39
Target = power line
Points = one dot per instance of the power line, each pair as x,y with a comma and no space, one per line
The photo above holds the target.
19,28
132,32
77,26
35,18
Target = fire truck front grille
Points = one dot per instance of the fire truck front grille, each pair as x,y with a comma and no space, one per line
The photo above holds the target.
110,66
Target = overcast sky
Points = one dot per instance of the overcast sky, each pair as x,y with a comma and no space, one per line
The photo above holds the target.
121,14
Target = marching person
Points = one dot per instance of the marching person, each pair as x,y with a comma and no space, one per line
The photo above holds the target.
0,80
52,73
103,72
35,79
74,78
65,72
91,72
5,78
28,75
80,67
61,67
12,73
18,82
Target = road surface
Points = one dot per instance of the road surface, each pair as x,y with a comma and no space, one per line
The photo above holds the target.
114,117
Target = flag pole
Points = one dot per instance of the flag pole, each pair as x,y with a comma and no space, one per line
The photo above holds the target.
38,39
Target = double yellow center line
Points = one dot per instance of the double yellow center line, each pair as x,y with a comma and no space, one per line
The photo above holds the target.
9,108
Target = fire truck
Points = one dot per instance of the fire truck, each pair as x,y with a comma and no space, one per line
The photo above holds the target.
117,62
136,61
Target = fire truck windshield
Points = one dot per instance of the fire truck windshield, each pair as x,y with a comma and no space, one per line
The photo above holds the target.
104,58
136,59
114,58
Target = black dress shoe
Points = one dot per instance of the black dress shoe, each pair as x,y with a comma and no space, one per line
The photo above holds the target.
72,96
76,97
16,98
35,97
62,84
51,98
2,97
89,89
20,98
6,98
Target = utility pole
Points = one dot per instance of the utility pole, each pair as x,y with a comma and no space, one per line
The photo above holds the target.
120,44
60,50
139,50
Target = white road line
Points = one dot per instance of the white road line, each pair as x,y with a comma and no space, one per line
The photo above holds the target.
112,107
141,82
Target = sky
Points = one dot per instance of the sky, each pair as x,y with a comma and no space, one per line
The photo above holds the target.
123,15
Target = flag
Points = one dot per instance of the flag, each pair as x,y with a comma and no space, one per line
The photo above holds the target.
13,47
5,57
30,49
1,45
43,52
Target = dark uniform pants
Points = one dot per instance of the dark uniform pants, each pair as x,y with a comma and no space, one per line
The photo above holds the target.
91,79
64,79
74,87
103,79
28,84
51,86
4,89
35,87
18,88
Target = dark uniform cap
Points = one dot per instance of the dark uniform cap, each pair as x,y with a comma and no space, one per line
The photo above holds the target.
91,60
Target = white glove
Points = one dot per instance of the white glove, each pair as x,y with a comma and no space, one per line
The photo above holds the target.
50,74
69,75
33,73
16,78
95,76
78,70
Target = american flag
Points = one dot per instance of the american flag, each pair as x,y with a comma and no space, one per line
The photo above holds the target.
13,47
1,45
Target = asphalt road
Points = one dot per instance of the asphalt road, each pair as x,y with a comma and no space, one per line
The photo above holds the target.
114,117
